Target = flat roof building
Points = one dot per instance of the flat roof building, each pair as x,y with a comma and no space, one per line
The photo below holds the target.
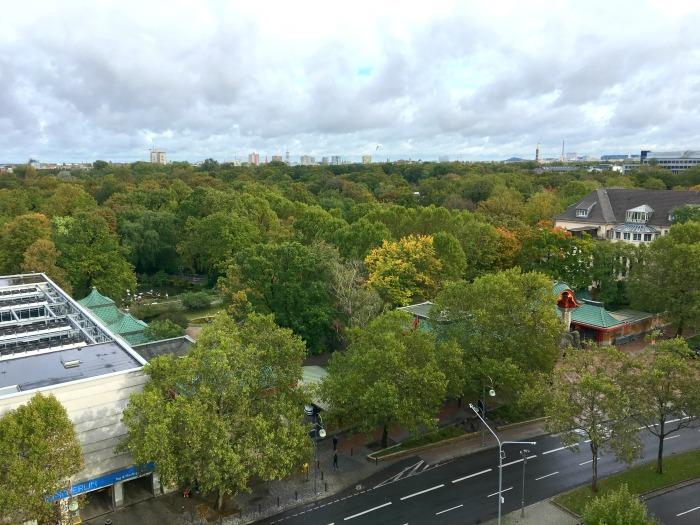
672,160
51,344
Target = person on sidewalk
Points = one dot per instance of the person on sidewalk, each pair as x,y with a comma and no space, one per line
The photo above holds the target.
335,461
335,443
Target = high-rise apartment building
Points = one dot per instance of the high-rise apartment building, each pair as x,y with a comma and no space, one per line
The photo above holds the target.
158,156
366,159
254,159
277,158
306,160
335,160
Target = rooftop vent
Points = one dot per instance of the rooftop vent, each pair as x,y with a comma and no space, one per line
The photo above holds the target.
74,363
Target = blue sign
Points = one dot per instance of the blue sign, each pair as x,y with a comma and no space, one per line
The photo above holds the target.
103,481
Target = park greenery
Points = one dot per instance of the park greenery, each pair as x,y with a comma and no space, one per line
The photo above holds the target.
620,507
40,452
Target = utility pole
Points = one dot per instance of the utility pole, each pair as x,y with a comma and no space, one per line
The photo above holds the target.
523,454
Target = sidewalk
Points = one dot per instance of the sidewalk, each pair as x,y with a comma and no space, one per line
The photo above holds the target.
268,499
540,513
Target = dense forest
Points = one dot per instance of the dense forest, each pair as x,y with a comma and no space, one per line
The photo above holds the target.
322,248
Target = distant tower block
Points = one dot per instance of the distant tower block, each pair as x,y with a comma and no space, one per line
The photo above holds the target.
537,153
562,151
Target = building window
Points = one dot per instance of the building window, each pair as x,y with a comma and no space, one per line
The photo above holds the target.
627,236
581,213
618,235
636,236
647,237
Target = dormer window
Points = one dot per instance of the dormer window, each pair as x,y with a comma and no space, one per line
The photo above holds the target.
640,214
584,208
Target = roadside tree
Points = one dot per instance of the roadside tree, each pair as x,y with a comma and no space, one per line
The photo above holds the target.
390,374
40,453
228,412
665,386
587,400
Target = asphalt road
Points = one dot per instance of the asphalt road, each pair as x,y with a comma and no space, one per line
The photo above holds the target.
464,491
680,507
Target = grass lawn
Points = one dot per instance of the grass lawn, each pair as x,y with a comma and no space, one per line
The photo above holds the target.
212,310
641,479
425,439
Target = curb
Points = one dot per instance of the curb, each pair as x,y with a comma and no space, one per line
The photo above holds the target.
445,442
665,490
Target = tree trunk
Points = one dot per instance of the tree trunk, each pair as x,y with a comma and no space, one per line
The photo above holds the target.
660,457
385,437
220,501
594,467
679,329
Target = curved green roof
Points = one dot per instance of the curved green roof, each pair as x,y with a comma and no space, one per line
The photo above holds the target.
593,315
95,299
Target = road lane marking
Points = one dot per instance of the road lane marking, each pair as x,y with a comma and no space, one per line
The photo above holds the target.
687,511
519,460
367,511
423,491
448,510
504,490
560,448
585,463
672,437
546,476
472,475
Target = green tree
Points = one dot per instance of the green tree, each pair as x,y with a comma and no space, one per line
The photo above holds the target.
40,453
406,270
390,374
506,325
356,304
150,238
18,235
689,212
541,206
669,279
357,239
665,390
618,507
587,399
163,329
193,301
68,199
42,256
91,256
226,413
289,280
451,255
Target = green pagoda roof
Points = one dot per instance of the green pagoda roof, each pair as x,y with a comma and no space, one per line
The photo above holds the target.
127,324
593,314
95,299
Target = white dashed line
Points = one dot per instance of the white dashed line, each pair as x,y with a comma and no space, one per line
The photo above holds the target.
673,437
687,511
448,510
472,475
558,449
504,490
519,460
585,463
546,476
423,491
367,511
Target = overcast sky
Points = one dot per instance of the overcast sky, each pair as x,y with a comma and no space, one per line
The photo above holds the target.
472,80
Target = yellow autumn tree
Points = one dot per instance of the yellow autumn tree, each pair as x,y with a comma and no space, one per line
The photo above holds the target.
405,270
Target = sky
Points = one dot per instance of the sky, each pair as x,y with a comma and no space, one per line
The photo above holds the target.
101,79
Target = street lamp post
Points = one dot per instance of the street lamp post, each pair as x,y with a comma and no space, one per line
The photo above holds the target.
523,454
317,432
500,457
492,393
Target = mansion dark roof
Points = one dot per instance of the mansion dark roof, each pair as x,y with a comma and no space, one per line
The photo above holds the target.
609,205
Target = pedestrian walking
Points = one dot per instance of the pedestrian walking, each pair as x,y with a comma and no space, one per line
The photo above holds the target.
335,461
335,442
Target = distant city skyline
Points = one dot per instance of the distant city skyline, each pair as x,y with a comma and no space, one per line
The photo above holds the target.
390,79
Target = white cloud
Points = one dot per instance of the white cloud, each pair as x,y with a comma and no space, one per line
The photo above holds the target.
85,80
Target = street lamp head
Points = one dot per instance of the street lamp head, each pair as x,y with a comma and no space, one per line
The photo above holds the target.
322,433
492,393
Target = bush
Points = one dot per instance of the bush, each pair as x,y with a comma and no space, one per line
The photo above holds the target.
178,318
619,507
195,300
165,329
